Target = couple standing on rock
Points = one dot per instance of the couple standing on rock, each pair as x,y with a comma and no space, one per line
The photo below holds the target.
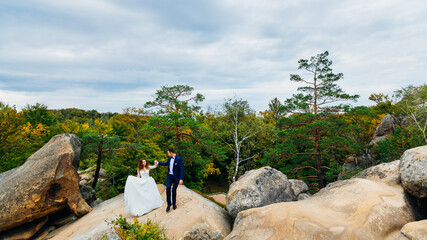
141,194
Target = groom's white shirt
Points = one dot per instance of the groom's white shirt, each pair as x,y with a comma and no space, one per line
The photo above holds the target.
171,165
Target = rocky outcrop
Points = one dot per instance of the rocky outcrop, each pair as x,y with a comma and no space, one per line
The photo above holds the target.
386,126
413,171
387,173
195,218
257,188
44,184
351,209
415,230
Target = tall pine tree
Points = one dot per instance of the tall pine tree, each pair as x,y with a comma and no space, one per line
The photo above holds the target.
318,99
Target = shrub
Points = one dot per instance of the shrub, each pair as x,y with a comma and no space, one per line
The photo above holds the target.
135,230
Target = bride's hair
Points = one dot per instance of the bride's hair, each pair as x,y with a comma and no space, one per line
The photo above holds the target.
140,164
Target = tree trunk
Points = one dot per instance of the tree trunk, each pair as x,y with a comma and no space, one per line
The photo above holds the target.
98,165
236,170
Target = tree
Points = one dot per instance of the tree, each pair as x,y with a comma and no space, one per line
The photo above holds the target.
169,100
407,106
175,125
38,113
18,138
413,102
238,125
317,98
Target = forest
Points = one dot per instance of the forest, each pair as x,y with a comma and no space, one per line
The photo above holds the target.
307,136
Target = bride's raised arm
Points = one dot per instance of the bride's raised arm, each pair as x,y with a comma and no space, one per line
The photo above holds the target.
153,167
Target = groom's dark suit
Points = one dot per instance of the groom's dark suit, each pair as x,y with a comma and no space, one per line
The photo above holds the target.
178,174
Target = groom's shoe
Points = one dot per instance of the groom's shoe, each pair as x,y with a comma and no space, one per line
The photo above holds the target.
168,208
174,207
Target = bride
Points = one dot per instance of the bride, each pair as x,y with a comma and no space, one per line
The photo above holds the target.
141,193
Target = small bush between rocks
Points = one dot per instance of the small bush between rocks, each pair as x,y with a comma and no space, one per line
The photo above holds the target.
137,231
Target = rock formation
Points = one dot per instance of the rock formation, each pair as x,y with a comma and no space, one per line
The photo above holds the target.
195,218
413,171
350,209
386,126
45,183
387,173
415,230
257,188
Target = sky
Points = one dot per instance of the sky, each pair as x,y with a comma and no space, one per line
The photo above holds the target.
109,55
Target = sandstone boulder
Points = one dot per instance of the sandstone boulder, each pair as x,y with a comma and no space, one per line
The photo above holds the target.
45,183
257,188
351,209
413,171
195,218
415,230
387,173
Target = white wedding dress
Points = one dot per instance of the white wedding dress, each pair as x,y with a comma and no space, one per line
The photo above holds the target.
141,194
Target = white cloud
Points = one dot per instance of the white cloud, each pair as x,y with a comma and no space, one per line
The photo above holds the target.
127,50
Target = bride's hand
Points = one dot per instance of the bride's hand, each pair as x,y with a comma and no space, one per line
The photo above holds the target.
156,162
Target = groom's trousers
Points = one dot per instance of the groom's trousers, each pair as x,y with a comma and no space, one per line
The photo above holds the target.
169,181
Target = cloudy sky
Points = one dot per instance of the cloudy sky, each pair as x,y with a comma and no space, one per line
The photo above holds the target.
108,55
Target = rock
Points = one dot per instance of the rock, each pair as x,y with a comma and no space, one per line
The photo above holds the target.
88,194
354,164
387,173
351,209
415,230
202,231
25,231
386,126
303,196
43,233
195,218
64,220
413,171
96,202
87,175
4,175
44,184
85,178
298,187
257,188
219,198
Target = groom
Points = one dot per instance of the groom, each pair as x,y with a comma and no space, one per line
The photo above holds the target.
175,176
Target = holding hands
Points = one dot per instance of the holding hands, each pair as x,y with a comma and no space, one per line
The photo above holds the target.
156,162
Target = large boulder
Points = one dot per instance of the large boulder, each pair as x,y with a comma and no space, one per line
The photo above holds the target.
44,184
413,171
415,230
386,126
257,188
195,218
351,209
387,173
